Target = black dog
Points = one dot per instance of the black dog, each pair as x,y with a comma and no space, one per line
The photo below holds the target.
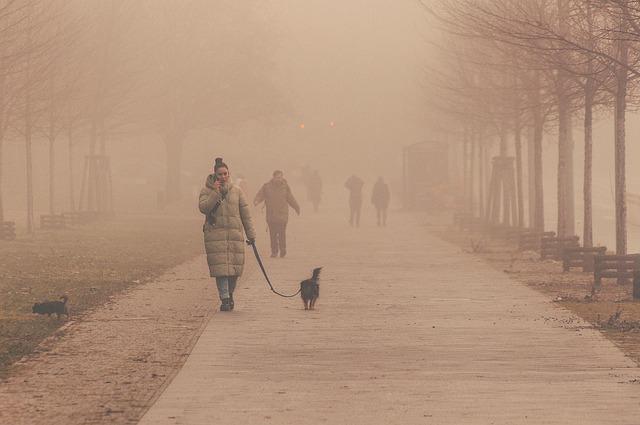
52,307
310,290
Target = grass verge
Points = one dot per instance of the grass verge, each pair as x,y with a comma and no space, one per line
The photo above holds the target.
89,264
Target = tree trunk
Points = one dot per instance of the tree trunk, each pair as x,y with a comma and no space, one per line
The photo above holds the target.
101,175
587,233
570,193
503,140
28,125
519,194
29,164
52,176
566,214
590,89
91,171
620,155
72,201
472,157
52,137
173,145
1,204
538,130
531,186
566,195
29,159
465,173
502,183
481,172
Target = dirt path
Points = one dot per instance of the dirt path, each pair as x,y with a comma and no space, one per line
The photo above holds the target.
409,330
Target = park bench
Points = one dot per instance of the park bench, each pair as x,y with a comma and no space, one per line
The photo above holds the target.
620,267
7,230
581,257
636,284
531,240
75,218
552,246
52,221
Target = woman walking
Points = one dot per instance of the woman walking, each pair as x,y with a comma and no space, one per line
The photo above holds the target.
227,214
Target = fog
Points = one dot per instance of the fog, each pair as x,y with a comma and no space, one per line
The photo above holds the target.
331,85
162,88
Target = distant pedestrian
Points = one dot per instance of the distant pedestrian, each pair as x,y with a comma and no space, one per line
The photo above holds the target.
227,214
315,190
277,196
380,199
354,185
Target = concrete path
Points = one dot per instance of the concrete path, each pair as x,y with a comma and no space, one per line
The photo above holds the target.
409,330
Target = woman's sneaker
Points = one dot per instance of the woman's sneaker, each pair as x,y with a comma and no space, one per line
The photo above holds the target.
231,303
225,306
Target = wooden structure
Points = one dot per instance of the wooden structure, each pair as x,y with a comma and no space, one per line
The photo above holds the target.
636,284
52,221
581,257
553,247
532,240
425,176
7,230
502,205
620,267
75,218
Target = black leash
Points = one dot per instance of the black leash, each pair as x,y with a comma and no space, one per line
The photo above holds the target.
264,272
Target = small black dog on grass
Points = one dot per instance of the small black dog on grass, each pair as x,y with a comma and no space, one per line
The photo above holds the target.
310,290
52,307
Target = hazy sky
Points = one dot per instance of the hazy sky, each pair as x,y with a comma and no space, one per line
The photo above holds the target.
356,63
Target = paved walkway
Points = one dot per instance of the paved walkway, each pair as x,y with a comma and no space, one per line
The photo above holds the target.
408,330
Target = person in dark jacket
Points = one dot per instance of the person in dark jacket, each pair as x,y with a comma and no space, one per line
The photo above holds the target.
354,185
277,196
227,215
380,199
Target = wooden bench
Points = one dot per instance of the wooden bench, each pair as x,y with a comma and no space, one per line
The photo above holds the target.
552,247
7,230
75,218
636,284
620,267
531,240
52,221
581,257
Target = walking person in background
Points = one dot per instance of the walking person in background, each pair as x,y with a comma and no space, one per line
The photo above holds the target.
380,199
315,190
354,185
227,214
277,196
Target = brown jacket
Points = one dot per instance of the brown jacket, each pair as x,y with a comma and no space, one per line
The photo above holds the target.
277,197
223,238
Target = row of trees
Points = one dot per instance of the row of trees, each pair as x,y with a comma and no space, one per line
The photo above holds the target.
510,68
88,71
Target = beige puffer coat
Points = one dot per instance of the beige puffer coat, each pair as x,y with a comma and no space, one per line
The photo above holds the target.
223,235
